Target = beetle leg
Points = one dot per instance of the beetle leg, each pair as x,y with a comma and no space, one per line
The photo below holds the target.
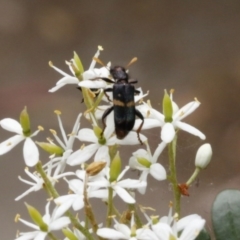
108,90
136,91
138,113
132,81
105,114
107,80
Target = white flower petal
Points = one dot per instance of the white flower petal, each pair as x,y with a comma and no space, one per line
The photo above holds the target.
131,183
63,81
11,125
185,221
158,171
149,112
65,203
82,155
10,143
102,194
102,155
99,183
124,195
190,129
92,84
162,230
78,203
167,133
87,135
148,123
143,178
30,152
192,230
110,127
123,173
59,223
76,185
109,233
124,229
131,139
41,236
158,151
54,89
67,80
186,110
28,235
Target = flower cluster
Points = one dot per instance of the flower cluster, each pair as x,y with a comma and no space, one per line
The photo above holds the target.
96,167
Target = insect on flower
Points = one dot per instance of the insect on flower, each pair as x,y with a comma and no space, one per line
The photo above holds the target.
123,102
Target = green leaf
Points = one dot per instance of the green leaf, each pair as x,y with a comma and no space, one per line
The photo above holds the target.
203,235
226,215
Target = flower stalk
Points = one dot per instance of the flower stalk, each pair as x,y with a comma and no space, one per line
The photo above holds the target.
173,175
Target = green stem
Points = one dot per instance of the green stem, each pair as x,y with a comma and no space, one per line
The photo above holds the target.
138,221
173,176
88,207
110,207
54,194
48,185
51,236
193,177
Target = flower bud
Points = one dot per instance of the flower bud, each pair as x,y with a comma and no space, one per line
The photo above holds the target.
167,107
144,162
51,148
25,122
70,235
95,167
98,133
37,217
78,69
115,167
203,156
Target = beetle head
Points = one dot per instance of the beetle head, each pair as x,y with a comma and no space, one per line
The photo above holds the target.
119,73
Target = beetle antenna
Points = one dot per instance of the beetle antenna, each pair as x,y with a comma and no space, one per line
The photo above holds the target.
99,61
132,61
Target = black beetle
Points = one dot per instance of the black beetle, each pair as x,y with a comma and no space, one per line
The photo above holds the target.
123,103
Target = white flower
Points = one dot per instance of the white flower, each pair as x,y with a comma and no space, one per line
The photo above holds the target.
30,150
89,74
186,228
54,222
66,144
97,146
76,199
119,186
124,232
203,156
145,162
78,234
38,182
153,118
92,78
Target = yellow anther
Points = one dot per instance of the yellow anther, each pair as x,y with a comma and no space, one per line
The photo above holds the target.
50,63
17,218
40,128
53,131
57,112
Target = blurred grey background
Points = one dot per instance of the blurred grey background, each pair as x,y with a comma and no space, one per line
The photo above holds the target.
191,46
